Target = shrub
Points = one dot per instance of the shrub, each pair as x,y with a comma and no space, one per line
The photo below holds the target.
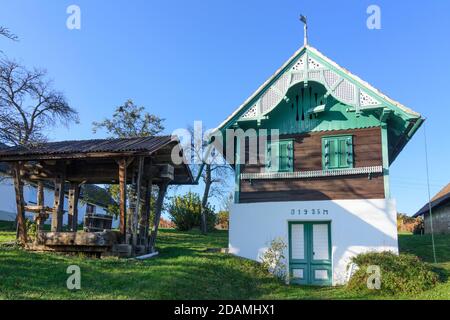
31,227
402,273
273,258
185,212
419,228
223,220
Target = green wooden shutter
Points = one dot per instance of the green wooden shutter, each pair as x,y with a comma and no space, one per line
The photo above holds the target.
342,153
286,159
349,141
337,152
325,153
280,156
269,157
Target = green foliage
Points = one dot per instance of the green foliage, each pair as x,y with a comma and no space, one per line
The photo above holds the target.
274,260
400,274
419,228
185,212
31,228
129,121
183,269
223,219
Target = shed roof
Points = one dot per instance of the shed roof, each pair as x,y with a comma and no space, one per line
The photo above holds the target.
442,197
138,144
94,161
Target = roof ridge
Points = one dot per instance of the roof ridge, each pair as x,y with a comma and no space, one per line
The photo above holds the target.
101,139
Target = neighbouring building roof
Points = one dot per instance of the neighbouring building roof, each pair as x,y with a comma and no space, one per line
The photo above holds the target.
441,198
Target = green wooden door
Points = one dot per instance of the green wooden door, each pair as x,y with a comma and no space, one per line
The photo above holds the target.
310,253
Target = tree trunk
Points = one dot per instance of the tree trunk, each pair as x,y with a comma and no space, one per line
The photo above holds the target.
158,208
203,225
18,186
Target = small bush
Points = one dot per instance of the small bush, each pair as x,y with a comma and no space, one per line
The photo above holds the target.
273,258
402,273
185,212
223,220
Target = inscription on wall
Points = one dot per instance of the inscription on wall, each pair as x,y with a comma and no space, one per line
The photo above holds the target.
299,212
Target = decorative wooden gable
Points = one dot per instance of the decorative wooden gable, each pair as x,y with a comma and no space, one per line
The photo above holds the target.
310,92
309,66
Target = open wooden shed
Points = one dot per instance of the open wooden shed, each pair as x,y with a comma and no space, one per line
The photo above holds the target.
135,164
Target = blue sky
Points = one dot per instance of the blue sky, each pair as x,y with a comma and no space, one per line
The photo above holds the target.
199,60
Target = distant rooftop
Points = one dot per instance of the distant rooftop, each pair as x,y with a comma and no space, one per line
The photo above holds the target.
439,199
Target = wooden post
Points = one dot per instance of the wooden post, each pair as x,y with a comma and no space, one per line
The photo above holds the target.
18,187
158,208
137,204
145,215
58,204
123,198
41,203
131,204
74,193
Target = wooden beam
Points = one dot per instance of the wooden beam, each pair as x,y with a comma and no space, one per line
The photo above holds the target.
38,209
137,208
145,215
74,194
40,219
58,204
158,208
18,187
123,198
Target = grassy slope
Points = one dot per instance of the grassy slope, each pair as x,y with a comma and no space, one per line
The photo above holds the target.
182,271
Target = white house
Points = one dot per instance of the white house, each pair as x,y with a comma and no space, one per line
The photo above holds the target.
325,141
8,209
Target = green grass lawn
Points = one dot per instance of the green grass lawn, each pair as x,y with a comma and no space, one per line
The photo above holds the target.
183,270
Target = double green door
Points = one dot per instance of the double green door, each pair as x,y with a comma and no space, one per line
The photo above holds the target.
310,253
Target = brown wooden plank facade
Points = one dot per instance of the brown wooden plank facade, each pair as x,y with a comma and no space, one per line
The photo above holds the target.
367,151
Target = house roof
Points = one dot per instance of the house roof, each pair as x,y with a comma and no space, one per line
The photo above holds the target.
290,61
410,119
441,198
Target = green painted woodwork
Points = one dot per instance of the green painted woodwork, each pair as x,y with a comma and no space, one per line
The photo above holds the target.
237,170
298,116
337,152
309,265
280,156
385,157
302,110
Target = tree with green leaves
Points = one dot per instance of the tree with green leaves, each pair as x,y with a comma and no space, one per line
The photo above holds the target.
130,120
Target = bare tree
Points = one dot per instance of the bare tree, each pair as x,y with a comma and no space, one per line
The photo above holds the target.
6,33
215,172
28,105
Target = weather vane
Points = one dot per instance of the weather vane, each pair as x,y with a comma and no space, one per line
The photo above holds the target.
305,37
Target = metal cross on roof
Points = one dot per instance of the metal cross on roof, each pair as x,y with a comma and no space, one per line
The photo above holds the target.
305,37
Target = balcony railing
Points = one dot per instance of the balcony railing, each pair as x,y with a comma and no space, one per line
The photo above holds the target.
312,173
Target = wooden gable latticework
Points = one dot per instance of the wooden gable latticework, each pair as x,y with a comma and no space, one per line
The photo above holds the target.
311,93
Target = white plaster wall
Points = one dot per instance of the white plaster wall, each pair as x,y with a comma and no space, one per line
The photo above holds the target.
356,226
8,202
